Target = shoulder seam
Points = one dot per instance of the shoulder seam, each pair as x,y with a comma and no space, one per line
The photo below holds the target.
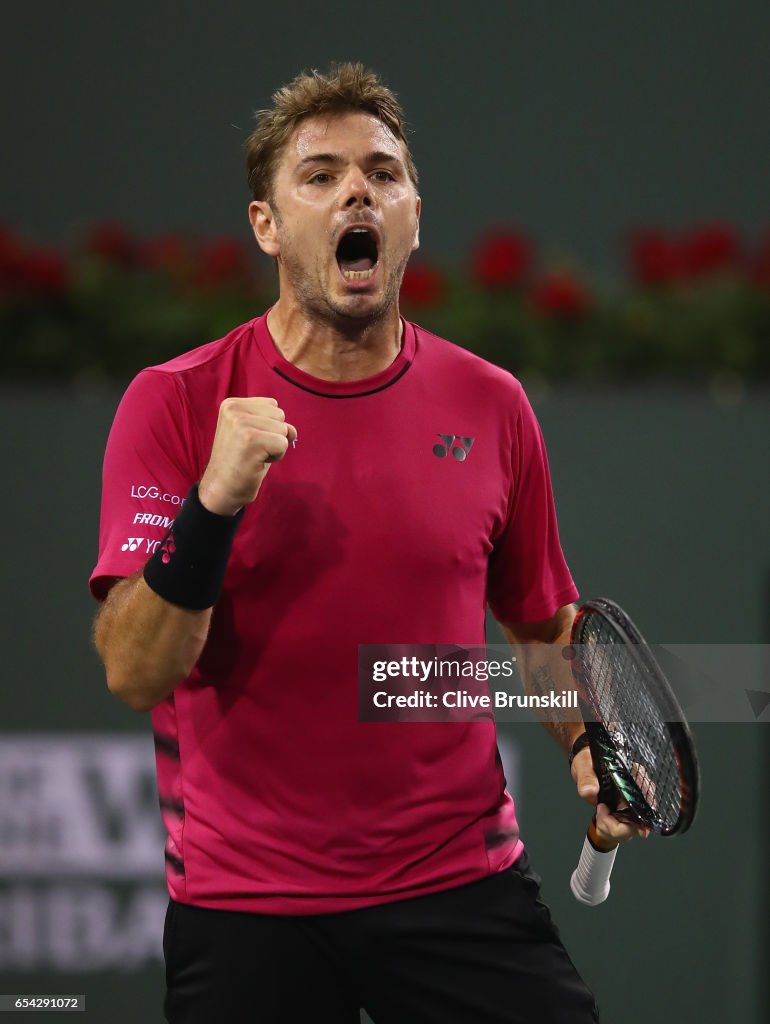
467,352
163,368
192,454
182,394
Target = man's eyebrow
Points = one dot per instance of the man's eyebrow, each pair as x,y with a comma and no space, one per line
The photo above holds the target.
377,157
320,158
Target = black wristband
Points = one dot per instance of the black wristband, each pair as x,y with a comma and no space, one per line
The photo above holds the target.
188,568
580,743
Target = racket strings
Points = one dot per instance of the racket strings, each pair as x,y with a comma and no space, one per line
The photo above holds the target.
617,677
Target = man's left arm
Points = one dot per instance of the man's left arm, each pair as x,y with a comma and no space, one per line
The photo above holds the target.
538,648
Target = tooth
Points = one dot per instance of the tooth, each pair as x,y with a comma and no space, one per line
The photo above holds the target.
357,275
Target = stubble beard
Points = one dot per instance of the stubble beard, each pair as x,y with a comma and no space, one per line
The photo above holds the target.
319,304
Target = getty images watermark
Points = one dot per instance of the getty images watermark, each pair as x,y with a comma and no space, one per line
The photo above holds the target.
454,668
449,683
456,683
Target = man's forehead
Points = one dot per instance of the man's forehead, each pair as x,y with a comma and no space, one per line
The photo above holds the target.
341,133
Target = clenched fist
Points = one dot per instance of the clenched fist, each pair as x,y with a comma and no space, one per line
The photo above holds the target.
251,433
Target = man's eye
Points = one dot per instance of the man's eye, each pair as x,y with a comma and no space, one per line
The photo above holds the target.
383,176
321,178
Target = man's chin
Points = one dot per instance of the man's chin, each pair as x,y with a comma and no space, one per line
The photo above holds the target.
360,307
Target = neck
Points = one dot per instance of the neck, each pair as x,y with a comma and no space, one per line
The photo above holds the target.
334,352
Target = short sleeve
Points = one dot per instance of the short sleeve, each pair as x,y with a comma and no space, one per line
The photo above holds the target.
148,470
528,575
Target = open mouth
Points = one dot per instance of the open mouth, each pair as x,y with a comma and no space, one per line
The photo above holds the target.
357,254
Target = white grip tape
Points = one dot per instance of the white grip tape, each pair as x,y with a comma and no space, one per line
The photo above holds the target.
590,882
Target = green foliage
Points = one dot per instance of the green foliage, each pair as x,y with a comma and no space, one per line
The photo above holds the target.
107,321
692,331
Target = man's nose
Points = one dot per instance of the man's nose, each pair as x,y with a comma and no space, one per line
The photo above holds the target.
357,191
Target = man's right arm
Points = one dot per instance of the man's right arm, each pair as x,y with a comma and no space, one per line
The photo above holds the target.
147,645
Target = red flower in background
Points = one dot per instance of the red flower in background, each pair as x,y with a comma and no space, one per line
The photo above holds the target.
168,253
41,270
501,259
561,295
221,261
45,271
112,243
659,259
655,258
710,249
422,285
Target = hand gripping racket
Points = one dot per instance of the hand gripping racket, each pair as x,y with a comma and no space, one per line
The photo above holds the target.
643,753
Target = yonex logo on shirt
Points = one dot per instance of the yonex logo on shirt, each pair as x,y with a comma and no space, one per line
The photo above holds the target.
132,544
458,446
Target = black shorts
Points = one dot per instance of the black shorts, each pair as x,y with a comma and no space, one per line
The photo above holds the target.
478,954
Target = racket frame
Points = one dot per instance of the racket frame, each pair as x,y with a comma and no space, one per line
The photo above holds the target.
615,781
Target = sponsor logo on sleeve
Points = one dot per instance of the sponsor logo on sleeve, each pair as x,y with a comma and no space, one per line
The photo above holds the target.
149,492
148,519
132,543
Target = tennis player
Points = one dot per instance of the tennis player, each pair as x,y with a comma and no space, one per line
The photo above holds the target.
335,475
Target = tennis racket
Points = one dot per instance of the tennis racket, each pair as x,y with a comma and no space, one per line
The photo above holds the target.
643,753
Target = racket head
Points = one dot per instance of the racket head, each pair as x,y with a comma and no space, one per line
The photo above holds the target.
640,740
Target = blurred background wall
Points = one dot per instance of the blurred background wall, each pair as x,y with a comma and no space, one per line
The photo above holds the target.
572,122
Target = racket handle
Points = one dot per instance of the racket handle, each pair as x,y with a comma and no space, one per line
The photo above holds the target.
590,882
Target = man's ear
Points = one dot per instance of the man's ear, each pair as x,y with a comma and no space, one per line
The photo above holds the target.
418,208
264,226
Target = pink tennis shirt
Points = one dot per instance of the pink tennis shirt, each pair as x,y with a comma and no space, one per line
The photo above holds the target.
411,499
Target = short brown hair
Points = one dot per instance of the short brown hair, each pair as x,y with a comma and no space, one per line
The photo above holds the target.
347,87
